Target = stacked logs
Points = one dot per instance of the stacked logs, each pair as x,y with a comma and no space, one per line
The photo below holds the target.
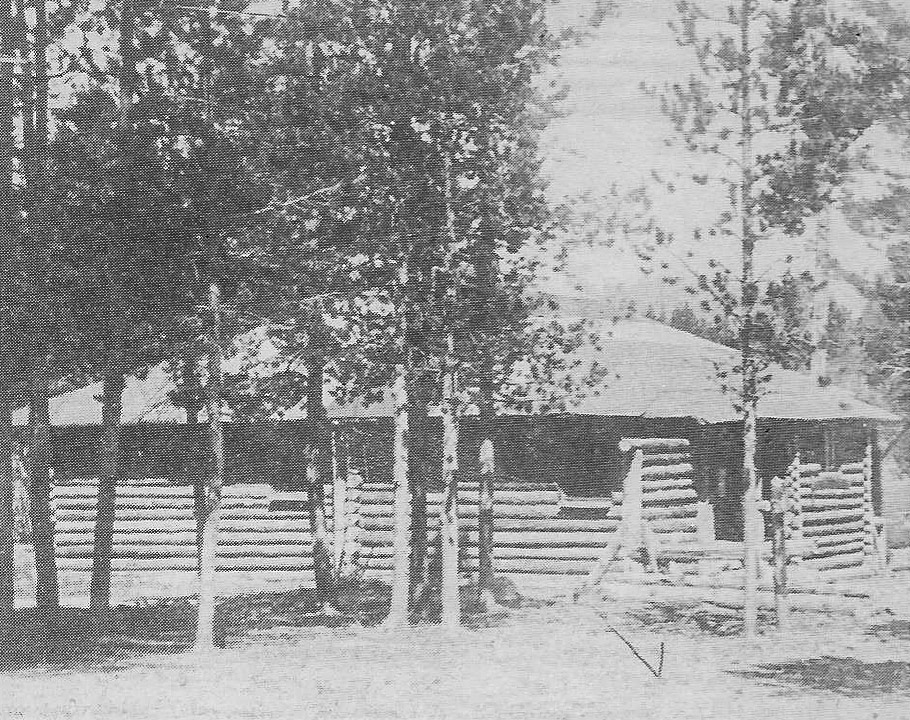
530,537
831,514
155,528
796,491
669,499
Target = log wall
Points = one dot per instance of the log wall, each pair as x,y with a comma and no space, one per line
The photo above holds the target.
155,528
537,529
669,499
830,511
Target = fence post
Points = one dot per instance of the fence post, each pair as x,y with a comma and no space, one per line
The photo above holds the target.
339,503
870,539
779,525
793,504
705,524
632,498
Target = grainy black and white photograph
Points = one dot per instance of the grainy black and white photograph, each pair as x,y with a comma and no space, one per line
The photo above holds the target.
454,359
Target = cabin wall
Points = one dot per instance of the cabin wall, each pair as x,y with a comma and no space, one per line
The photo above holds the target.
579,453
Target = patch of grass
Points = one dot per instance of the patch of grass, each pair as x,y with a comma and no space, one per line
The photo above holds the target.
845,676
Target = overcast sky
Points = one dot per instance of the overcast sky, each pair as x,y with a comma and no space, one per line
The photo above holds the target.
614,134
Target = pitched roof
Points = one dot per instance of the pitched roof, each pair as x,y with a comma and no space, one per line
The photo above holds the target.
654,372
660,372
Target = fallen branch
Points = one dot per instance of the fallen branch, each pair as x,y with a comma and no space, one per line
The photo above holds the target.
660,663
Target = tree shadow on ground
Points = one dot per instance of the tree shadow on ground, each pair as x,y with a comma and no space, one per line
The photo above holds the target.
162,626
76,640
697,619
845,676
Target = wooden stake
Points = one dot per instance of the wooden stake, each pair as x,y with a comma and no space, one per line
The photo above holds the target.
778,519
872,542
339,506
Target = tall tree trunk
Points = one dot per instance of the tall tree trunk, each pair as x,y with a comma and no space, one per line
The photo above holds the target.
487,280
485,518
208,551
752,537
36,170
192,404
487,478
821,299
419,480
7,513
398,610
318,471
47,593
105,511
448,531
9,217
779,518
113,381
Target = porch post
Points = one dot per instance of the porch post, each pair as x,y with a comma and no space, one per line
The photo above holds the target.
632,497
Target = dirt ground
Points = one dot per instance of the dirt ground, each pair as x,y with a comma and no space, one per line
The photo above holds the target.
539,659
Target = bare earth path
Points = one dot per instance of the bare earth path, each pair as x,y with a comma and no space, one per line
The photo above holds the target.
555,661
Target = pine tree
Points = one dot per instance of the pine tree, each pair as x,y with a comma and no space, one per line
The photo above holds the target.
769,74
375,147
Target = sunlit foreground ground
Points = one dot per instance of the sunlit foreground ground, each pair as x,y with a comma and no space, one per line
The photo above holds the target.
540,658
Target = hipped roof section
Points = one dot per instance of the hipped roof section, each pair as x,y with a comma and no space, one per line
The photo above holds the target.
652,371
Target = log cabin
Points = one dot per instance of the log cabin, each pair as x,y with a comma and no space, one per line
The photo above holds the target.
559,469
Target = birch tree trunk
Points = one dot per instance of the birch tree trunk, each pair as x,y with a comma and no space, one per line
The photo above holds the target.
208,551
398,610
